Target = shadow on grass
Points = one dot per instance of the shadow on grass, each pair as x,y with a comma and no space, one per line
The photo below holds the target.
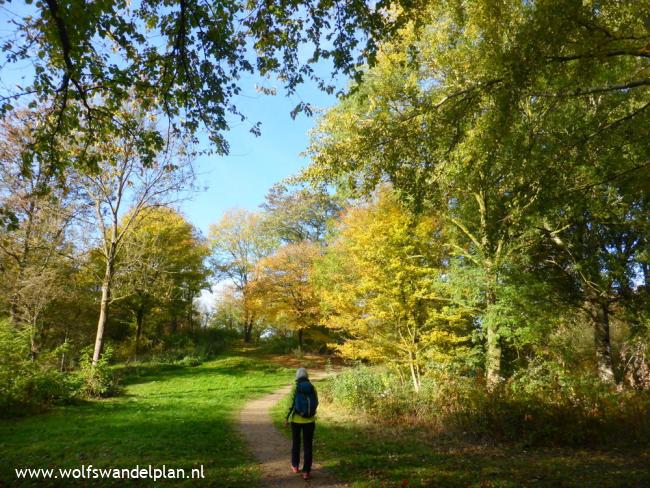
120,438
366,453
376,456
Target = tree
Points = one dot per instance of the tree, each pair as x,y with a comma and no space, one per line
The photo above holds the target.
228,310
282,289
480,111
127,182
382,283
35,253
299,214
238,242
182,59
161,265
598,241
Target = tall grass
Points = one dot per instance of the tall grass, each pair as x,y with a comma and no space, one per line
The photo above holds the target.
541,406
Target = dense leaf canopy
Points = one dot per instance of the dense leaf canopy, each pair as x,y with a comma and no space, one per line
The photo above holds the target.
180,58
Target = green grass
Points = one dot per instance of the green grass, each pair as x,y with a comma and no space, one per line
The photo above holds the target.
181,417
365,453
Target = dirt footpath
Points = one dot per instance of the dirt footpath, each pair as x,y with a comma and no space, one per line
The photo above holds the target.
272,449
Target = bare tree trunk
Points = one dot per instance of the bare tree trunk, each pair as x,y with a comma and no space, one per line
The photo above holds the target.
190,312
599,315
415,377
65,341
33,339
248,331
139,319
493,357
493,345
62,369
103,308
492,349
248,325
300,338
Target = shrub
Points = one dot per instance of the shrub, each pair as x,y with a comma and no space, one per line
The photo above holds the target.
279,344
189,361
542,405
29,384
360,388
98,379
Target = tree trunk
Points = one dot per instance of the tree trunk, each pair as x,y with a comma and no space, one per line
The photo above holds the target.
489,251
33,343
139,319
248,326
103,309
415,375
599,315
493,356
300,338
492,348
13,310
248,331
190,312
22,264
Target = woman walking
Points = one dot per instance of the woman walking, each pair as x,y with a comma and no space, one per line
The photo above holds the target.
301,414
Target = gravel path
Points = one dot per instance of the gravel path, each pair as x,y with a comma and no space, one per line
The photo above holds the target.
272,449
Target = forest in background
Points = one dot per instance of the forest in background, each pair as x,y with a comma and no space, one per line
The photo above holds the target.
474,225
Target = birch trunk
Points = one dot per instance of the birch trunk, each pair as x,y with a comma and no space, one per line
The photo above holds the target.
103,307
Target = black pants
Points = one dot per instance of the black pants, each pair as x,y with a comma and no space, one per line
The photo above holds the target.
308,439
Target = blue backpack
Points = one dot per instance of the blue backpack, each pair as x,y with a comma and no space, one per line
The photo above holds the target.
306,401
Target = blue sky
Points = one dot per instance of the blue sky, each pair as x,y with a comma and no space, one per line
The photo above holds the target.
254,164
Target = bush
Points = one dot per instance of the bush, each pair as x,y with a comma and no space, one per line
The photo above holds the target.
542,405
189,361
169,349
360,389
29,384
279,344
98,379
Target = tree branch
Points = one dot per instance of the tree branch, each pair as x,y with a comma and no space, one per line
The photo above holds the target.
599,89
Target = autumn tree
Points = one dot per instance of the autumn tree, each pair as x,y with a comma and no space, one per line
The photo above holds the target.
228,309
161,266
498,114
283,291
238,242
382,283
35,251
126,184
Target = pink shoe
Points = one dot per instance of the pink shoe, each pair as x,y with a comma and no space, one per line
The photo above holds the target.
294,469
306,476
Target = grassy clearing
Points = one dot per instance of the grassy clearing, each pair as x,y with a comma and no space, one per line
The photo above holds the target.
369,454
181,417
